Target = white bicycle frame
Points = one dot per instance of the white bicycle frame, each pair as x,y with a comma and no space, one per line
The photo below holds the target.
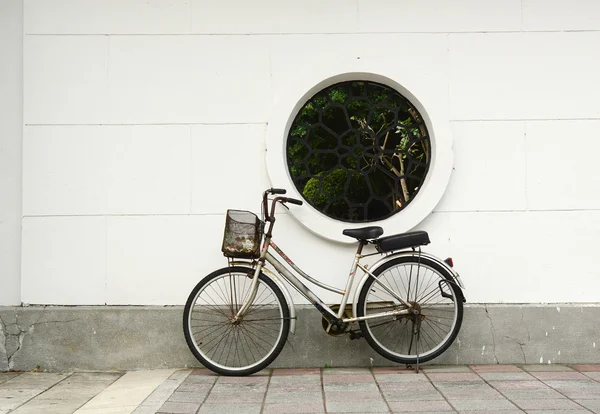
266,256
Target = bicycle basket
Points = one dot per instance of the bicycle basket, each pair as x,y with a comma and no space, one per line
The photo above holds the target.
243,234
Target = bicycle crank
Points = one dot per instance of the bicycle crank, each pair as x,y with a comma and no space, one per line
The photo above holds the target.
337,330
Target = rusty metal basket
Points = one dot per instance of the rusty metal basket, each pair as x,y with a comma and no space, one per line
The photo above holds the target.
243,235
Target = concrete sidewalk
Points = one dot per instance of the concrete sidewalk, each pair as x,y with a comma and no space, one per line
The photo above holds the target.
490,388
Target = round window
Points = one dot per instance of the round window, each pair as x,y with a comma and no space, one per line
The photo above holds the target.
358,151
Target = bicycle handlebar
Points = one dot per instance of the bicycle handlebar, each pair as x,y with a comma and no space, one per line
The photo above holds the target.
292,201
265,207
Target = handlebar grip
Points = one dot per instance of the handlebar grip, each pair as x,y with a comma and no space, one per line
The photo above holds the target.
278,191
294,201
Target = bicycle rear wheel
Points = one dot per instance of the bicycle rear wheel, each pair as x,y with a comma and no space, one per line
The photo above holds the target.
242,347
424,284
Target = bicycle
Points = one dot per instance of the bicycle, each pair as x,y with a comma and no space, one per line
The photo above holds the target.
408,305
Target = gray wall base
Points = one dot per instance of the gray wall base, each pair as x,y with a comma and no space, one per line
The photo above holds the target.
120,338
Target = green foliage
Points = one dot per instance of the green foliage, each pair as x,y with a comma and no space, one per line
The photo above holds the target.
321,187
358,151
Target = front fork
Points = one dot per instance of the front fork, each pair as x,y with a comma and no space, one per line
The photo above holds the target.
250,299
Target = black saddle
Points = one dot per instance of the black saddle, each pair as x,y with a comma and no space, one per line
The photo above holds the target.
389,243
364,233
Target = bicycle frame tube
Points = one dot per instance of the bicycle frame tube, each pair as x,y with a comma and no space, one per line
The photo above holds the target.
301,287
327,312
301,272
314,299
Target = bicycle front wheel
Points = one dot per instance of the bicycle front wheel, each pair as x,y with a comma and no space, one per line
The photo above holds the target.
425,333
230,347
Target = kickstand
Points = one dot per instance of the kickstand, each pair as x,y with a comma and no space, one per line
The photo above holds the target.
418,343
416,332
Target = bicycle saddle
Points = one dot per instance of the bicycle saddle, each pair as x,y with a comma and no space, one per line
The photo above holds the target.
364,233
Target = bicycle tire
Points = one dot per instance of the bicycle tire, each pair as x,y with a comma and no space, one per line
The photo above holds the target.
442,316
257,338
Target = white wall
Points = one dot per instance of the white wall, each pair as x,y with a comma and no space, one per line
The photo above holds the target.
145,120
11,132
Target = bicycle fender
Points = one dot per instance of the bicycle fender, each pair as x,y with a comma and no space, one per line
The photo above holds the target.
387,258
284,289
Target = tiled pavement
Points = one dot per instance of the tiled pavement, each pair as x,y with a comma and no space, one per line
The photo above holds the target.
489,388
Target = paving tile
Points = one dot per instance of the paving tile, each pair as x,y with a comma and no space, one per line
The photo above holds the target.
228,408
11,399
557,411
469,391
547,404
343,371
524,394
130,390
179,407
180,375
506,376
581,393
406,386
586,382
593,405
49,407
286,382
205,388
121,409
5,376
481,405
24,393
33,380
392,370
350,387
275,397
517,385
199,379
445,368
559,375
161,394
307,407
495,368
73,392
142,409
587,367
401,378
292,387
244,381
593,375
419,406
204,371
189,397
296,371
357,407
243,397
577,389
347,379
545,368
227,388
413,395
80,377
354,396
453,376
515,411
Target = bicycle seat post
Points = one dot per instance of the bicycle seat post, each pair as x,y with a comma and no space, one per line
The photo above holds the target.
357,256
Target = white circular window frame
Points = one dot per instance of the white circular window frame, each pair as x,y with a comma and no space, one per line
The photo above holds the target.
431,102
